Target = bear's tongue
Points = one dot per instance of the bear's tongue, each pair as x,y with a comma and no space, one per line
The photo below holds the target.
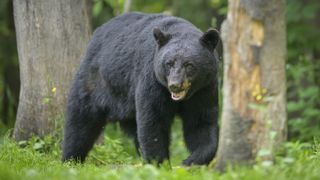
178,96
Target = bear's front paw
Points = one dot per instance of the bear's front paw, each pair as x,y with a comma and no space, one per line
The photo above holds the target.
195,160
187,162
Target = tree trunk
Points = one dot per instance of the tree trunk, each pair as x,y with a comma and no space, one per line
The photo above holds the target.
51,38
127,6
254,102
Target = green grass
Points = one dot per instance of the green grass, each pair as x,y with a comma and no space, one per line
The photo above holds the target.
116,159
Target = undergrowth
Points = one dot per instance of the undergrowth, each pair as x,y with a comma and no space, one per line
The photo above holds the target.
117,159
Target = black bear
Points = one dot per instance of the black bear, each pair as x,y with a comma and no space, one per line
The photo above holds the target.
141,70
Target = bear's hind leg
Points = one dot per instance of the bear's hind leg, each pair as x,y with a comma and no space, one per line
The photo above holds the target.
82,128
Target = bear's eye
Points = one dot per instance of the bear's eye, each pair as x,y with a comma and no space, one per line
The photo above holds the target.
170,64
188,66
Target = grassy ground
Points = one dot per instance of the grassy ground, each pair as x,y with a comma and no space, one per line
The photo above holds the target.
116,159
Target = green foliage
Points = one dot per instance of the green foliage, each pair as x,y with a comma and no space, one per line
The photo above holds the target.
9,83
110,152
39,159
303,67
204,13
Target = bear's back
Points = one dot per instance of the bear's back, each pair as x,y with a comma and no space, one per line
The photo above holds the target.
134,28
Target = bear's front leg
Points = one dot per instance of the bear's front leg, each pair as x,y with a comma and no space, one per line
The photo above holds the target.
154,119
202,141
200,127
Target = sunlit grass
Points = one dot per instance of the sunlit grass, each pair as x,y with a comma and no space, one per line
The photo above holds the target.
117,159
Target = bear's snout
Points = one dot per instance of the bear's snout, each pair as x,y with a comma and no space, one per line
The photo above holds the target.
179,90
175,87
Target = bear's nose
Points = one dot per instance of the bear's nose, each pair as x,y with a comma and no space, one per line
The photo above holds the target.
175,87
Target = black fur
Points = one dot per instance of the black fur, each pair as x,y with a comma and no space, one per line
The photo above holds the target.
124,77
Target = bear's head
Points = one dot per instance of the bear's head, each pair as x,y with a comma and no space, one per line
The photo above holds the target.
185,64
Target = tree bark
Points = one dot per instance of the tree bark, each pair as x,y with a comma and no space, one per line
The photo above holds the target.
254,102
51,38
127,6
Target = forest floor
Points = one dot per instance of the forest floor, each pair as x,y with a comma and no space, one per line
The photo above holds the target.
117,159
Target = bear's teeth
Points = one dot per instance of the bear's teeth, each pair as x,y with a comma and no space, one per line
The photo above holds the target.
178,96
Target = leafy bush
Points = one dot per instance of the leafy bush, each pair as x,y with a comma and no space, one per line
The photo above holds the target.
303,67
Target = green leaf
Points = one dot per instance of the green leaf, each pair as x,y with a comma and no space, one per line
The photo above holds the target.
38,146
267,163
264,152
288,160
97,8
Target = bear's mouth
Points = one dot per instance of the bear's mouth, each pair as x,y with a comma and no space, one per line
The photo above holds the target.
177,96
182,92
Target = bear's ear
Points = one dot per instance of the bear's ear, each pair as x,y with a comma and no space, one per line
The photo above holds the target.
210,39
161,37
